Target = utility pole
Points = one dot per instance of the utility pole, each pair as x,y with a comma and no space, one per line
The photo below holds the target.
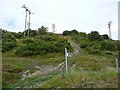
27,23
109,27
25,17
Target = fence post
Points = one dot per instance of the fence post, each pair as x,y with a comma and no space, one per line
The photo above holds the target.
66,60
116,61
62,72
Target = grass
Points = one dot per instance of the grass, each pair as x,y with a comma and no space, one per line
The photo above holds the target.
0,69
14,66
91,62
84,79
32,82
0,63
90,71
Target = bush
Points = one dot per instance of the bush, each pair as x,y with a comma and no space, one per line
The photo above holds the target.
27,53
27,41
73,32
118,46
94,35
105,36
94,51
109,53
107,45
83,45
40,47
8,41
6,46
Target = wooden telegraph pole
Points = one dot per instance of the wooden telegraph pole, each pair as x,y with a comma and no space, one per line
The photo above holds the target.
29,12
25,17
29,23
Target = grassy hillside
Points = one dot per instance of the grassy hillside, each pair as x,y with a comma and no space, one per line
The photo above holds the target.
90,71
37,57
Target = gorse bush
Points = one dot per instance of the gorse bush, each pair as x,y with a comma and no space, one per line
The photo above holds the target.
94,43
108,53
94,51
94,35
68,33
8,46
8,41
107,45
27,41
42,45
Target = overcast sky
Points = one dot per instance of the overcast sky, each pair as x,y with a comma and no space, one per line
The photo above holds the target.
82,15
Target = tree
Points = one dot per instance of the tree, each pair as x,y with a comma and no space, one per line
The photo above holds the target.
42,30
94,35
74,32
32,33
66,33
105,36
82,34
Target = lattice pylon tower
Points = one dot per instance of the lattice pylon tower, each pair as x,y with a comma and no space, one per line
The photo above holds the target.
53,28
109,27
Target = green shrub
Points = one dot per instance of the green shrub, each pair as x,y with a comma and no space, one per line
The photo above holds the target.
27,41
8,46
73,32
43,46
109,53
94,51
118,46
83,45
8,41
94,36
27,53
108,45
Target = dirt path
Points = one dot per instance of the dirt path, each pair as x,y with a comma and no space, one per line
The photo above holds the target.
40,70
75,47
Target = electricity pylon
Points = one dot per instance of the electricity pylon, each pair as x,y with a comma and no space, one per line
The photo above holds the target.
53,28
109,27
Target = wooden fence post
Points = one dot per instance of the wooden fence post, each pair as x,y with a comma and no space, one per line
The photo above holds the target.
62,71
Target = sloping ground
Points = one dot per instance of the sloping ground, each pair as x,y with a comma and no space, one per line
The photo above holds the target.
0,70
85,71
89,72
32,82
14,67
84,79
75,47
